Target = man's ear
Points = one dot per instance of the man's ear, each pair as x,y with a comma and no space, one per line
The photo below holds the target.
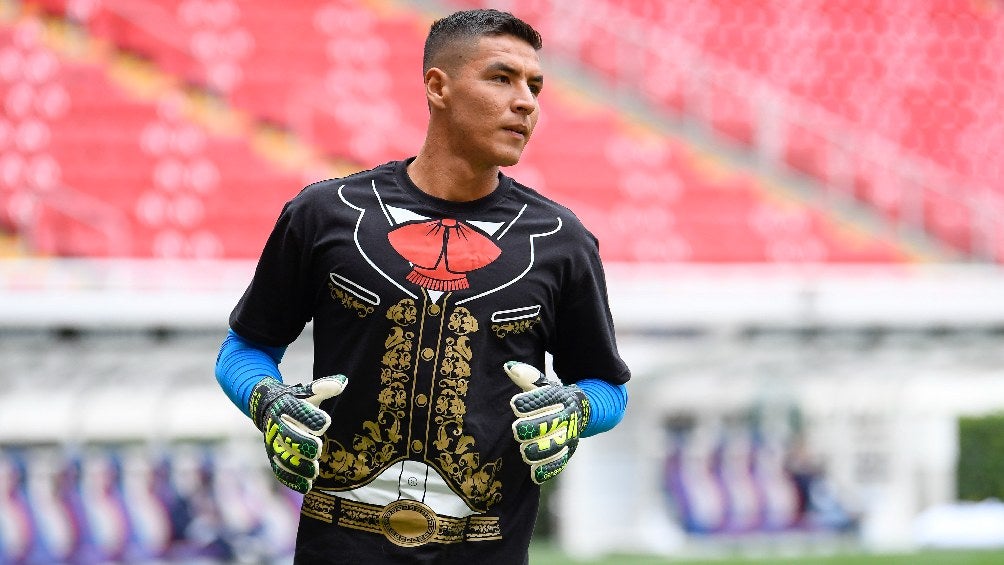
436,87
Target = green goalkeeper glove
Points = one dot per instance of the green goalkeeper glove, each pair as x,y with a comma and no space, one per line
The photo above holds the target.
549,419
292,423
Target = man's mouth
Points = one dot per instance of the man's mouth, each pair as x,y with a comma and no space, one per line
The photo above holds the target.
519,129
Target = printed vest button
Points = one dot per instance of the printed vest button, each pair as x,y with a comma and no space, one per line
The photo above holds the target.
434,309
417,445
421,400
428,354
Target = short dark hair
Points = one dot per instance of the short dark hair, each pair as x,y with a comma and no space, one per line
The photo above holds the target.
472,24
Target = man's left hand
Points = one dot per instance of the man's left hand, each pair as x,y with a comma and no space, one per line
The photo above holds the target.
549,419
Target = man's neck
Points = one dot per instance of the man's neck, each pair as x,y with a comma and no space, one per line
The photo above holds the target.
451,178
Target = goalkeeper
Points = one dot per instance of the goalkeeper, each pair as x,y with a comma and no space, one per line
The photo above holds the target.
436,285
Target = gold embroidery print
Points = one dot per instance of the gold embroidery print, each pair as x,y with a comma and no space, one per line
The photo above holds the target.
381,440
349,302
455,454
515,327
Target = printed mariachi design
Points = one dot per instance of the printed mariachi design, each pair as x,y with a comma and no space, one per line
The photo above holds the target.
381,441
455,449
383,438
421,302
514,327
516,321
349,301
418,418
443,252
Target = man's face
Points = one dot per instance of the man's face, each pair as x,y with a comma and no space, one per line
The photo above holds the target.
490,100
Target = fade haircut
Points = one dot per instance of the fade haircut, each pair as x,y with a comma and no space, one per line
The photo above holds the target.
470,25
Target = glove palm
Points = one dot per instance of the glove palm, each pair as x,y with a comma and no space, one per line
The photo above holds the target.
292,423
550,417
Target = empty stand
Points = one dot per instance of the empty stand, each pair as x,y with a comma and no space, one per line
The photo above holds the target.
93,171
920,76
345,79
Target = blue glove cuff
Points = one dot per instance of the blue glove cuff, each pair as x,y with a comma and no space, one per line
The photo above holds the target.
242,364
607,403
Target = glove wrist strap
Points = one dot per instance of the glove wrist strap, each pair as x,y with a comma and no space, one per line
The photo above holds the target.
267,391
584,405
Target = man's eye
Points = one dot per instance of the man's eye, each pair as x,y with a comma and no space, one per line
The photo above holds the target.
501,78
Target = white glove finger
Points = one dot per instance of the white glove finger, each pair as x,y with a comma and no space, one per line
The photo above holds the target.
296,431
290,443
526,377
537,402
538,457
306,469
294,481
553,424
324,388
544,449
547,470
307,419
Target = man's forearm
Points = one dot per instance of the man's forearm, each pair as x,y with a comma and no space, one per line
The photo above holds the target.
608,403
242,364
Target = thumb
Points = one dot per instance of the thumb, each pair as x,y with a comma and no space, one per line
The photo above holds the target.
526,377
324,388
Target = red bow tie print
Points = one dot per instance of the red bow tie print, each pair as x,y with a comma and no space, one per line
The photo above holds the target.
442,252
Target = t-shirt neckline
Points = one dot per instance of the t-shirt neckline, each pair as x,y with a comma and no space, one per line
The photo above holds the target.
449,206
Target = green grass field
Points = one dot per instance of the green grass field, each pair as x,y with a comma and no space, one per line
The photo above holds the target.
547,555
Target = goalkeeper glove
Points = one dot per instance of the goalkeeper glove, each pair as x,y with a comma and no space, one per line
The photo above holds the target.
292,423
549,419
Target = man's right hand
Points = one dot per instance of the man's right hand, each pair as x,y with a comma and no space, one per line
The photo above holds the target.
292,423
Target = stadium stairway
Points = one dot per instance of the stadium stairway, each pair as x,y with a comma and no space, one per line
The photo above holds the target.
203,153
11,246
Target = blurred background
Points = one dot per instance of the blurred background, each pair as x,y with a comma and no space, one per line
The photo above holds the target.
800,205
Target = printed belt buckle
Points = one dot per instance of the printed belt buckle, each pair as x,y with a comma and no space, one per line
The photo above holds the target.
409,523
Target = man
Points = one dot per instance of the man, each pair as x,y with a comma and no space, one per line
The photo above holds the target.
436,284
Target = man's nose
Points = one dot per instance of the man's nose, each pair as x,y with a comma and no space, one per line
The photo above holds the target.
525,102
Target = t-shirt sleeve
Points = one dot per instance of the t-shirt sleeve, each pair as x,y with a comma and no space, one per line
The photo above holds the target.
277,305
585,345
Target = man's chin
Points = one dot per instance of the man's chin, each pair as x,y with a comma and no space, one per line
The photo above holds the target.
509,160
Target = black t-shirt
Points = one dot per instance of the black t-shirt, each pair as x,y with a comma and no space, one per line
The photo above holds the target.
420,302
